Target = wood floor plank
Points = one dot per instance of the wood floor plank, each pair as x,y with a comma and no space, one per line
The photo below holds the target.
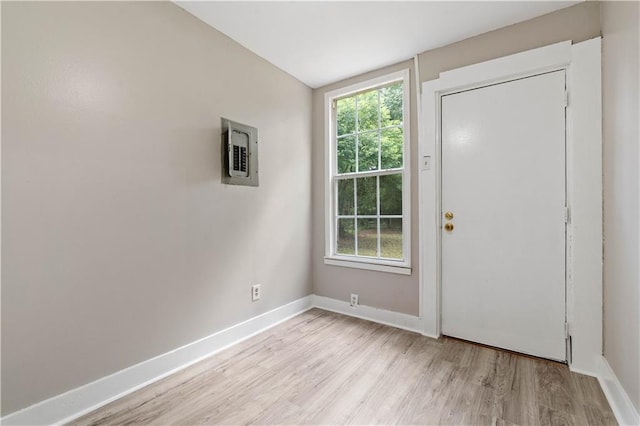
325,368
371,369
430,402
554,387
387,398
594,405
522,401
551,417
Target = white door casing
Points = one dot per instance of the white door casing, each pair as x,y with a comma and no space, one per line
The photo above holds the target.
503,178
581,62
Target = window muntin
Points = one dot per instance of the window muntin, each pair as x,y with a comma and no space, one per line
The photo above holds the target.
368,178
369,216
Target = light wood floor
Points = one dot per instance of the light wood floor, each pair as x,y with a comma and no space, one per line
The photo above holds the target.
326,368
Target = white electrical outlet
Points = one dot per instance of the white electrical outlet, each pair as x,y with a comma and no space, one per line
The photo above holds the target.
354,299
255,292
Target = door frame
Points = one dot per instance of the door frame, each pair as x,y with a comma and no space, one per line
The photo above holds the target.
582,63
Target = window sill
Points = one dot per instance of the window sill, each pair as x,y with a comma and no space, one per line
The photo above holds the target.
371,266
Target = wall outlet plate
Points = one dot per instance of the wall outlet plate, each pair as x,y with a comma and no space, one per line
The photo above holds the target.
354,299
255,292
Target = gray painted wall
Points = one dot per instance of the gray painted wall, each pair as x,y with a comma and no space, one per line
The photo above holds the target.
119,241
577,23
396,292
621,47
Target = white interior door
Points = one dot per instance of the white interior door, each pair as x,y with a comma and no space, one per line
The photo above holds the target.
503,179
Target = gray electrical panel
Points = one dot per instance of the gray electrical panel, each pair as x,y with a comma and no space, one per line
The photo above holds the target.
239,154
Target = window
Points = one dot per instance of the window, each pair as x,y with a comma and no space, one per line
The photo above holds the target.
367,179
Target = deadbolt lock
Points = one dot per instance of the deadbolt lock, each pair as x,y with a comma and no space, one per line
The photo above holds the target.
448,227
448,215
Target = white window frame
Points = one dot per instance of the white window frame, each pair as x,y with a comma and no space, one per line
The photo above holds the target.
353,261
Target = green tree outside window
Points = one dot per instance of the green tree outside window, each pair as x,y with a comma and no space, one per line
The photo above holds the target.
369,131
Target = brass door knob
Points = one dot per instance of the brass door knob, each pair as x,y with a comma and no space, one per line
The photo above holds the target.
448,215
448,227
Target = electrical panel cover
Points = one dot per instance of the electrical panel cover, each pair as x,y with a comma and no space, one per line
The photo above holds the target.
239,154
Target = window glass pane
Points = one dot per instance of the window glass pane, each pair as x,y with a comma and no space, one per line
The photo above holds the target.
391,98
391,145
369,139
390,238
368,111
347,154
346,115
346,237
391,194
345,197
367,237
367,193
367,151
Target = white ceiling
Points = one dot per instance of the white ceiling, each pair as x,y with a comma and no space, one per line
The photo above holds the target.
320,42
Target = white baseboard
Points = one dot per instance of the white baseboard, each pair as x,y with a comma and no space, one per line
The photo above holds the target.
84,399
394,319
620,403
77,402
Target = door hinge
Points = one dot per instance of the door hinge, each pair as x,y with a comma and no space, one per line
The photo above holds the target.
566,98
567,215
333,104
569,342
